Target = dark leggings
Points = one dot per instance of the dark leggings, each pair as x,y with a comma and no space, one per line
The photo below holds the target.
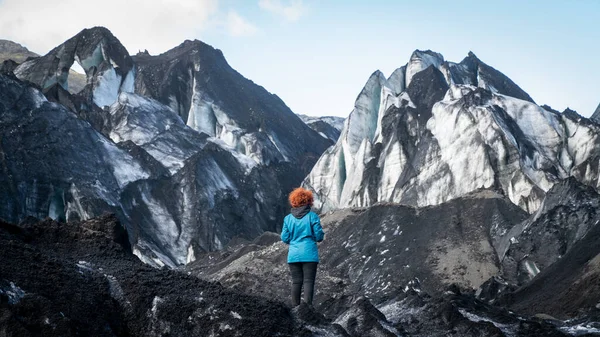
303,273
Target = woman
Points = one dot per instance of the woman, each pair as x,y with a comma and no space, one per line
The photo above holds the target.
302,230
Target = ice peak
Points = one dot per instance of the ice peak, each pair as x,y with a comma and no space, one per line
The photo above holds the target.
396,81
421,60
376,75
420,54
374,83
596,115
472,55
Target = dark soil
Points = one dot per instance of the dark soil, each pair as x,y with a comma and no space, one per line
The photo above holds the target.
80,279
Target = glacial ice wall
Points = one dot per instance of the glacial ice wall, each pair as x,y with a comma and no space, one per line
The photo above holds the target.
406,143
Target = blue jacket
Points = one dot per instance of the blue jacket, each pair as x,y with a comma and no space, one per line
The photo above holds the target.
302,235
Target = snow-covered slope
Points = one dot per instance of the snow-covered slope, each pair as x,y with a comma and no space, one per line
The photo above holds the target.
155,128
436,130
329,127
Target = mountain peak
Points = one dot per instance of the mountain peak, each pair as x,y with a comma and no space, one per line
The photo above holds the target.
96,30
188,50
421,60
424,53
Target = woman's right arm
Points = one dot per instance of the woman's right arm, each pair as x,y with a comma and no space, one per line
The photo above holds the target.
317,229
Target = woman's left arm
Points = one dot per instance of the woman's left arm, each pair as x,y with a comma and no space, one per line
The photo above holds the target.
285,233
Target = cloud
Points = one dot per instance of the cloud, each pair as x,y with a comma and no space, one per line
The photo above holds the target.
238,26
156,25
292,12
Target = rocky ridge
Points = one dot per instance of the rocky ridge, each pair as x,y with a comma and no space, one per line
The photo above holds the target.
430,270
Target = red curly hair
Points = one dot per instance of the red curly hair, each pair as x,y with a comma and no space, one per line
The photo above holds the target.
301,197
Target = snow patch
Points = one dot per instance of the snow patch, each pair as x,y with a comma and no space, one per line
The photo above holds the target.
107,88
245,161
582,329
191,257
14,293
155,303
124,167
507,329
532,268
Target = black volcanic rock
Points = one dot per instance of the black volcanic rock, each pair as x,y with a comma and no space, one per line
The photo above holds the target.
80,279
426,88
381,250
363,319
567,215
8,67
568,288
405,291
81,106
53,163
555,255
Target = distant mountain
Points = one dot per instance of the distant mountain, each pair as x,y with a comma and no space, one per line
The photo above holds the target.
436,130
13,51
327,126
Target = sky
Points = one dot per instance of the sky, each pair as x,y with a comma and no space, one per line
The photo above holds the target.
316,55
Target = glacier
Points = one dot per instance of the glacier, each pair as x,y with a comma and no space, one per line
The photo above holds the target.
436,130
